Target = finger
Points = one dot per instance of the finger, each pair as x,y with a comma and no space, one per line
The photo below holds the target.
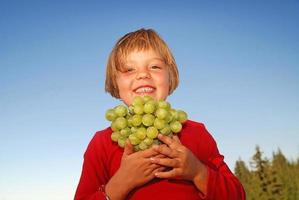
166,140
154,166
159,169
168,162
128,148
168,174
176,138
160,156
165,150
147,153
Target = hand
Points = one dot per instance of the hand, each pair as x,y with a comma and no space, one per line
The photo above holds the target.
135,170
182,161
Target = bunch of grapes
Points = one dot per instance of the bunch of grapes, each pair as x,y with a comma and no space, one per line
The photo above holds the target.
143,120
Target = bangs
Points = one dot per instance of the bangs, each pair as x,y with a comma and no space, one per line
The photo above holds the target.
139,41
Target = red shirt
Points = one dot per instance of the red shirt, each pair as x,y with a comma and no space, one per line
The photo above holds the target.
102,159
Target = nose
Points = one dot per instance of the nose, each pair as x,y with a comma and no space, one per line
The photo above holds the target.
143,74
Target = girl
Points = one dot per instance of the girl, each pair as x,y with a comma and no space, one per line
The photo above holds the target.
141,64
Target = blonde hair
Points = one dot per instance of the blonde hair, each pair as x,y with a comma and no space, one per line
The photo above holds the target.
140,40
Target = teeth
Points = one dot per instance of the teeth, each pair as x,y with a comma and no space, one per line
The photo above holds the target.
144,90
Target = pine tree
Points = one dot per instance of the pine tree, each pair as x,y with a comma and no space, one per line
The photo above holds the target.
291,175
241,171
275,186
244,175
277,179
280,168
260,167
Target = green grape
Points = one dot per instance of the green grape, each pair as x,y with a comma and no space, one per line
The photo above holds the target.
110,115
125,132
169,118
121,142
115,135
163,104
120,110
152,132
147,98
174,114
121,123
148,119
138,100
136,147
136,120
176,126
130,121
114,126
159,123
134,139
182,116
142,121
149,107
131,110
134,129
166,130
161,113
141,133
128,115
138,109
142,146
148,141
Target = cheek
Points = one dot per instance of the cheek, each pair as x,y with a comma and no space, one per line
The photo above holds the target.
164,83
122,82
166,80
124,86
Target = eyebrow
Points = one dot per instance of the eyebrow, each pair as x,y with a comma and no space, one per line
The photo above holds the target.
157,58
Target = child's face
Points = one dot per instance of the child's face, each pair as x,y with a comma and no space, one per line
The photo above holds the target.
144,73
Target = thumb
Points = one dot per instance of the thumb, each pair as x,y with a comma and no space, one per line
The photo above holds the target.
128,148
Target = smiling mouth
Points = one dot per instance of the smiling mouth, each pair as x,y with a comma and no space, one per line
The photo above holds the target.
144,90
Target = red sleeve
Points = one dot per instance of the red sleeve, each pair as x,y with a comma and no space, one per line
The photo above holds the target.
222,184
93,171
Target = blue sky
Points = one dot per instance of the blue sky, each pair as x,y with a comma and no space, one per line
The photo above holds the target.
239,69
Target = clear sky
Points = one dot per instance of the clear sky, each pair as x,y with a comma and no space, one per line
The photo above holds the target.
238,62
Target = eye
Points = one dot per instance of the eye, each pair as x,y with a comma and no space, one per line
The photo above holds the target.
128,69
155,67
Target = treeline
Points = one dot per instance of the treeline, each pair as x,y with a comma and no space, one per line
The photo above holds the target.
269,179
